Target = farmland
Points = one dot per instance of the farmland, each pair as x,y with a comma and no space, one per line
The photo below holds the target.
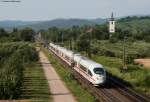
138,49
14,57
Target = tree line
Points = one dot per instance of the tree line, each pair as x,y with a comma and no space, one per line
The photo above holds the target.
16,53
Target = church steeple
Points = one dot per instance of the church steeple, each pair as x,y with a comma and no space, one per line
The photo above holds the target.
112,17
112,24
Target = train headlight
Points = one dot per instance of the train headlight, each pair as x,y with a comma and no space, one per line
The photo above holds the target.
97,78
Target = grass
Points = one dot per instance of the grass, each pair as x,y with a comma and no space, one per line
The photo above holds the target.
138,77
35,87
80,94
133,48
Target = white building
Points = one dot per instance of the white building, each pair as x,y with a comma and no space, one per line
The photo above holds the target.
112,24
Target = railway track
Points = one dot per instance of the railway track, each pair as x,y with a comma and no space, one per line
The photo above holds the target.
130,93
112,91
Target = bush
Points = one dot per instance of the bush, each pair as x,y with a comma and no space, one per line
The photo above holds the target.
109,54
145,52
131,57
95,50
131,39
113,40
147,80
27,34
147,39
11,77
13,59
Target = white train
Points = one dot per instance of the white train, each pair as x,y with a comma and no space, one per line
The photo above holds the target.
92,71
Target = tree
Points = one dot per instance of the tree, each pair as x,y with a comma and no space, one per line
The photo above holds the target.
83,43
3,33
27,34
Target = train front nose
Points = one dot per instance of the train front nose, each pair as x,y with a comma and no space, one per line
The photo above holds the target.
100,79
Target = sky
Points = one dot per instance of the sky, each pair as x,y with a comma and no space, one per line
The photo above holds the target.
35,10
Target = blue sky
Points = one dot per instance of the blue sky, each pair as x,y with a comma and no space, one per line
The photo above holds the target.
29,10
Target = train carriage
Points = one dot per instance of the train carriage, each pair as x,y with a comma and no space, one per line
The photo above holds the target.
92,71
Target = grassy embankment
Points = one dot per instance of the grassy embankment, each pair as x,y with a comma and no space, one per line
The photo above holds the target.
35,87
80,94
138,77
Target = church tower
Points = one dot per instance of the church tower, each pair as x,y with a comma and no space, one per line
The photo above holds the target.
112,24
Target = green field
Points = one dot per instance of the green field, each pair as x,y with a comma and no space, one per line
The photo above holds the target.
136,49
35,87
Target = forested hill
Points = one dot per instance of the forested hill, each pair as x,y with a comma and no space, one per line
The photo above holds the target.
10,23
60,23
66,23
134,24
134,27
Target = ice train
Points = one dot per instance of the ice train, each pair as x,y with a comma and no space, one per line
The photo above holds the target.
94,72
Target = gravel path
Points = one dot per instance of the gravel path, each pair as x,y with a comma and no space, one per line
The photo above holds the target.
57,88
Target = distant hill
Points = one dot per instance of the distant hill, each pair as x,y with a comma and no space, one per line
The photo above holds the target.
65,23
60,23
134,24
9,23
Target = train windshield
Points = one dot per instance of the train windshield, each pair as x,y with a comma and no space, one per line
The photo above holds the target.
99,71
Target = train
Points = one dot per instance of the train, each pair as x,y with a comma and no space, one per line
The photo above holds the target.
94,72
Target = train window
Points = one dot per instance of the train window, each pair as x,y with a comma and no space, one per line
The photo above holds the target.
89,72
98,71
67,58
83,68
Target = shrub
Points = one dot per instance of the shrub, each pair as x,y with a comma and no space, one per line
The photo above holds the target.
110,54
147,80
11,77
13,59
145,52
113,40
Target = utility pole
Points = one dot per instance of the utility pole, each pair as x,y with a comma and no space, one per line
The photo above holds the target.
62,38
124,54
72,44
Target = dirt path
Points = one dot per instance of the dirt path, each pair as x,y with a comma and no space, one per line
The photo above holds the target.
144,62
57,88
